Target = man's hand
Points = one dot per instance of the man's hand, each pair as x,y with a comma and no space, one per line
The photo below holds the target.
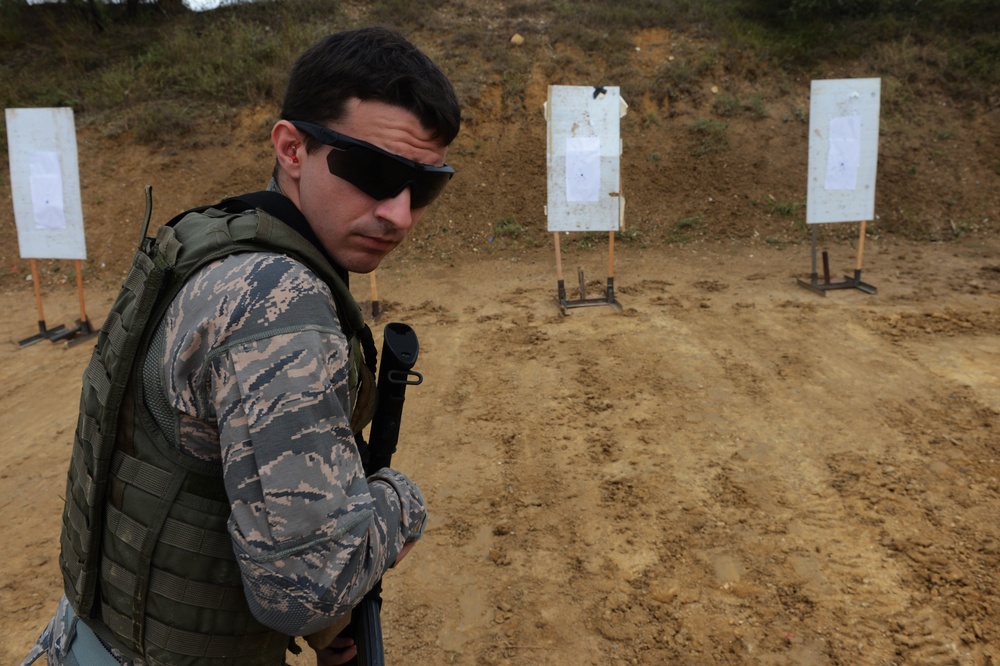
340,651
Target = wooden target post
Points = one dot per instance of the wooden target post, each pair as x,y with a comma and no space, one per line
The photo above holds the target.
843,158
584,189
44,332
45,184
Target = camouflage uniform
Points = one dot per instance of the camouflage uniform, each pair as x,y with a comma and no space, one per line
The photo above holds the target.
249,368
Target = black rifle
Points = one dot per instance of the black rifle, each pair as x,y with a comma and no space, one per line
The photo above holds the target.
395,373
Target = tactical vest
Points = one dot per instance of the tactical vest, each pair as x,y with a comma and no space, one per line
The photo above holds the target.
146,558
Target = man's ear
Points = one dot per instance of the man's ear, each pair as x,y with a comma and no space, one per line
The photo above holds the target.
288,148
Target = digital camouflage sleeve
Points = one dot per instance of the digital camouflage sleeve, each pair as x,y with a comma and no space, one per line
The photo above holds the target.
253,367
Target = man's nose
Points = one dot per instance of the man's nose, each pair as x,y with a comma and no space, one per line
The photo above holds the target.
396,210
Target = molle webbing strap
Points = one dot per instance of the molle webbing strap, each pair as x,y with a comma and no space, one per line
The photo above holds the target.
126,529
79,467
73,568
97,373
209,647
196,540
191,644
78,519
143,476
175,533
90,430
134,281
202,595
118,623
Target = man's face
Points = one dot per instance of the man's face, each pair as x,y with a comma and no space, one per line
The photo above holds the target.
357,230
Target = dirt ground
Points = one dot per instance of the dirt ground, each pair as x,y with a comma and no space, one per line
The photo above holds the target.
731,470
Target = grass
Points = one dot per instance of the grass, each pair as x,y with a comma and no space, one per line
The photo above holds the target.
684,230
631,236
710,136
797,114
148,74
785,209
588,240
756,107
508,226
726,105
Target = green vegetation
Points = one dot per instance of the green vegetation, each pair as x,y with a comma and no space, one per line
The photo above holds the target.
508,226
150,74
631,235
796,113
726,105
785,209
710,136
684,230
148,67
756,107
588,240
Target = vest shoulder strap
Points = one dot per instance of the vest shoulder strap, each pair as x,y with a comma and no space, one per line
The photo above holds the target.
234,234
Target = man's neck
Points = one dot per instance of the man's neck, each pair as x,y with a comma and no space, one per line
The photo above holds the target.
301,226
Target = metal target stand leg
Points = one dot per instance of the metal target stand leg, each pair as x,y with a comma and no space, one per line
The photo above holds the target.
609,295
849,282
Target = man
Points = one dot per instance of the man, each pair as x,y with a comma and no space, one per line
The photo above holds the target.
216,502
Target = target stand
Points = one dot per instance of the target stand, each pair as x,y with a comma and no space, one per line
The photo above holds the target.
71,336
609,294
843,161
48,213
583,163
826,285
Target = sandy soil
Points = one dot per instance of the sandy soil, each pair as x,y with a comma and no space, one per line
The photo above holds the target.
732,470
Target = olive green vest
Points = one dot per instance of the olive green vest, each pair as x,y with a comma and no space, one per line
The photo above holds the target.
146,557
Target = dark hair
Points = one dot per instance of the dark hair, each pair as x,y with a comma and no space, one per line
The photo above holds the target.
374,63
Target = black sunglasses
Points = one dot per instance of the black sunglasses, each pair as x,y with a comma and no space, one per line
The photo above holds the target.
376,172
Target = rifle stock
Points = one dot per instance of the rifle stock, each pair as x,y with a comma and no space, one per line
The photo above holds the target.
399,353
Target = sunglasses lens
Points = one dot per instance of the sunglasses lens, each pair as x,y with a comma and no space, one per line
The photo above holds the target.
382,177
428,187
360,168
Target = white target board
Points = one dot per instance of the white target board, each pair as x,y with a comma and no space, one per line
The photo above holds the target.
45,183
843,150
583,158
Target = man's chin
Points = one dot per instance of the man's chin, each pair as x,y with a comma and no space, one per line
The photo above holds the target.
363,263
